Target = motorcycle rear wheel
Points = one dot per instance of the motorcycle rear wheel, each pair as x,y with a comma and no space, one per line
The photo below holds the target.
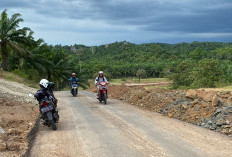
51,120
53,125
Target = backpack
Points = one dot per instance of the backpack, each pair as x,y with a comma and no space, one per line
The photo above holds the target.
98,79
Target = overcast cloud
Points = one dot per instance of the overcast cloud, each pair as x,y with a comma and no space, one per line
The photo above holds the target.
94,22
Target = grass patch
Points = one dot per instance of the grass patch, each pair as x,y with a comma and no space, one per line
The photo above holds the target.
135,80
16,77
120,81
153,87
227,87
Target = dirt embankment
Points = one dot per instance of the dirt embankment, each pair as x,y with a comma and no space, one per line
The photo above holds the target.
18,115
208,108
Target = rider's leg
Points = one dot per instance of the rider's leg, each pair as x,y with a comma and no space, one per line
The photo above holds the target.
97,92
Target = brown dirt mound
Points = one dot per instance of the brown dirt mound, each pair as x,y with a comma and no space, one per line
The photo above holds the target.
207,108
16,119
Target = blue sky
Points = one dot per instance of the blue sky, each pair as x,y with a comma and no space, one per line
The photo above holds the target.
95,22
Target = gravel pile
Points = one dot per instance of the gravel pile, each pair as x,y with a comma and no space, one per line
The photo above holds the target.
16,91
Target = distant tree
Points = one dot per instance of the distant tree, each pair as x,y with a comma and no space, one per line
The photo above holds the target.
198,53
141,73
224,53
12,37
208,74
181,75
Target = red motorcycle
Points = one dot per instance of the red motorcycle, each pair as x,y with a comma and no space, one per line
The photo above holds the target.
103,92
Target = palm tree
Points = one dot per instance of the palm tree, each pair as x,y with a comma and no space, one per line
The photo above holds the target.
61,69
12,37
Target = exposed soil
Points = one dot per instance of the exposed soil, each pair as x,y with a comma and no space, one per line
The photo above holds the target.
209,108
18,114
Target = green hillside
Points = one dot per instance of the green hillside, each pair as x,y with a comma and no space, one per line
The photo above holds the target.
188,65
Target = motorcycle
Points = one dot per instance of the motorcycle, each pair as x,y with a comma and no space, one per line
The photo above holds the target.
48,113
74,90
103,92
53,99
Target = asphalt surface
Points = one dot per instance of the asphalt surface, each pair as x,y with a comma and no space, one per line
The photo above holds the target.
88,128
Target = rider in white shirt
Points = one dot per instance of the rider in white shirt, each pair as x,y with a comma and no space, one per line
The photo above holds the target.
99,79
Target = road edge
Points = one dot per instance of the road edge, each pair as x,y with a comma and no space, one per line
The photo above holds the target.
31,138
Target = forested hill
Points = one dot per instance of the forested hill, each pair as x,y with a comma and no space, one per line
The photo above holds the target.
123,59
191,65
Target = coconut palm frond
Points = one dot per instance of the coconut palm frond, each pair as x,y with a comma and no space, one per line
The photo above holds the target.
17,48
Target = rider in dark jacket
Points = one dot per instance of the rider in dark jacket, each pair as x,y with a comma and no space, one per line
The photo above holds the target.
45,91
73,79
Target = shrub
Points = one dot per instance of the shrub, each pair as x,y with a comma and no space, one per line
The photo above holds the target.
141,73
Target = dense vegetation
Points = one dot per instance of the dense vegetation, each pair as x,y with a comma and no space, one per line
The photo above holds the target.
189,65
192,65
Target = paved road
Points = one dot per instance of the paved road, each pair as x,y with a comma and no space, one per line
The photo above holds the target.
88,128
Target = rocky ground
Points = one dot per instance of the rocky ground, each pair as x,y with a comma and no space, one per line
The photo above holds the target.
209,108
18,114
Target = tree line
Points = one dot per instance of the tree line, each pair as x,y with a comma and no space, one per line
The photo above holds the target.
188,65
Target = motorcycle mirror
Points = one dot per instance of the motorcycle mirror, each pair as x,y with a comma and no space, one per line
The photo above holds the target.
31,95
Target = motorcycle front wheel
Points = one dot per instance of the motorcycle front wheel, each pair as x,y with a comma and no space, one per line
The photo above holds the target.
74,92
100,99
105,98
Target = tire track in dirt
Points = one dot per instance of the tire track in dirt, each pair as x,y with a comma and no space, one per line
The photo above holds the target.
59,143
136,138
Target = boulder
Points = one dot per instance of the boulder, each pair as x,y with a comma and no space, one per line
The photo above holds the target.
195,101
206,95
201,94
2,146
215,101
185,106
225,131
216,112
213,127
191,94
221,121
2,131
170,115
229,100
229,109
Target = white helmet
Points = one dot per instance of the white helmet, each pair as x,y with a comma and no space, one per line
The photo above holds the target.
44,83
100,72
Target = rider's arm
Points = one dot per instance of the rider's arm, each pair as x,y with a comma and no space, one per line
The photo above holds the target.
96,80
38,95
105,79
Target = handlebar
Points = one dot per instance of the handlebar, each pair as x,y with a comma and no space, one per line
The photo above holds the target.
103,83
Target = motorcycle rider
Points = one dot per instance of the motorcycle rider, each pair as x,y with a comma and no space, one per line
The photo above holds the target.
73,79
45,91
98,80
46,88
